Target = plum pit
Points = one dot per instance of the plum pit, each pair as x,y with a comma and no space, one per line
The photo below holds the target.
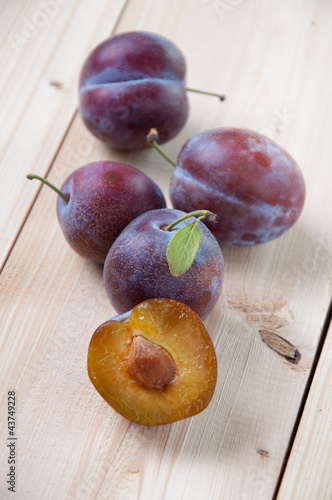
149,364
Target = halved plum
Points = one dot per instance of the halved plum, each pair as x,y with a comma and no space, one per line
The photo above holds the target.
155,364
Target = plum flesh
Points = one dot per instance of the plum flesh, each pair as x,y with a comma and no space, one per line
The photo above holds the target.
253,185
170,328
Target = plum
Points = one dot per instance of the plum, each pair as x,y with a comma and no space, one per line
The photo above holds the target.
136,266
155,364
252,184
131,82
98,200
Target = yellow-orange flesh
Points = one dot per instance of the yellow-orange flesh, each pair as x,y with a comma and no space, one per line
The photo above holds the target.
155,365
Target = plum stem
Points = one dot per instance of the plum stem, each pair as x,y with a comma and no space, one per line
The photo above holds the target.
152,139
48,183
201,214
156,146
222,97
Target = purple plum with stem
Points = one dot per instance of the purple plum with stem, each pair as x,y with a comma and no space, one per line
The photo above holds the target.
165,253
252,184
98,200
131,82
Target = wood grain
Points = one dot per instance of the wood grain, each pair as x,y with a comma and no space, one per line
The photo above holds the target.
309,469
272,61
41,52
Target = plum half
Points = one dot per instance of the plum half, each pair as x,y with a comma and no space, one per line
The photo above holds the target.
155,364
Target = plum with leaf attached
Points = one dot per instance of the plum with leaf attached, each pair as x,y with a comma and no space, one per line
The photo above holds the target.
165,253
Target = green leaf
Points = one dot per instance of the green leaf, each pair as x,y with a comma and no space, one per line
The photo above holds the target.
182,248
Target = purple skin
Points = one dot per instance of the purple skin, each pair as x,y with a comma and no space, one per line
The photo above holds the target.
253,185
103,198
136,268
130,83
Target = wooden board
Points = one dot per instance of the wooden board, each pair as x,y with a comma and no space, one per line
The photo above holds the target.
41,53
273,62
309,469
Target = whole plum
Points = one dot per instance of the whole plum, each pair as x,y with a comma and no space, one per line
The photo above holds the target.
253,185
136,266
98,200
131,82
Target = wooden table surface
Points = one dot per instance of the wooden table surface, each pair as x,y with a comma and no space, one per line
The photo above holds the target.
267,432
